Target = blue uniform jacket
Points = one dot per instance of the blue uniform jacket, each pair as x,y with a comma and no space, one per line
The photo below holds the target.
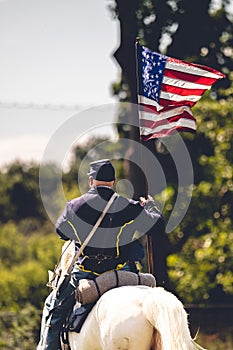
112,244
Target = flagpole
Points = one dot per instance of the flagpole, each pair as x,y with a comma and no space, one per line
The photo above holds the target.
149,241
137,49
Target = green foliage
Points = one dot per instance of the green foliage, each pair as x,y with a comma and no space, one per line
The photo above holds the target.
20,195
24,264
202,270
167,26
75,180
19,330
200,267
216,341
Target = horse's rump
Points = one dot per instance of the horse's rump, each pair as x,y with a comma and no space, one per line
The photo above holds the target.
138,318
115,322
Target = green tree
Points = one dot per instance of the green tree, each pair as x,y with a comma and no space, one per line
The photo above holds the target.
202,244
75,180
169,27
198,32
20,196
24,263
19,329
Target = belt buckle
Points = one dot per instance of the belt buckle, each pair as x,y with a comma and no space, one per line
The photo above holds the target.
102,258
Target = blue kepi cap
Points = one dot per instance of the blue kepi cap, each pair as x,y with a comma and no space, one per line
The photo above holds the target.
102,170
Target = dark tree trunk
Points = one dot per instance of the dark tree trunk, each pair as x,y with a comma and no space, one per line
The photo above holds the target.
126,57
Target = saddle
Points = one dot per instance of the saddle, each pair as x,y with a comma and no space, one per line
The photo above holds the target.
89,292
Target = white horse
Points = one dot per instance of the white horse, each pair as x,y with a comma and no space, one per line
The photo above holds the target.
135,318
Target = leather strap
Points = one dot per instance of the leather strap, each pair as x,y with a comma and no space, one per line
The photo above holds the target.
90,235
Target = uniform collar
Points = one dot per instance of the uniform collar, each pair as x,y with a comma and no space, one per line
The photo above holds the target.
103,191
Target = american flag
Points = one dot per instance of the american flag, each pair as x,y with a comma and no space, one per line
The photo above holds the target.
167,90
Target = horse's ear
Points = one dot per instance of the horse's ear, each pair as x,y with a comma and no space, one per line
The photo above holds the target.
68,245
68,253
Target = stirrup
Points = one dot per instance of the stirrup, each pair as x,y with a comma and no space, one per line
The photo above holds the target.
65,340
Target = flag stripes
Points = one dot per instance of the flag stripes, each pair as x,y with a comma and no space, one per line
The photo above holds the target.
167,90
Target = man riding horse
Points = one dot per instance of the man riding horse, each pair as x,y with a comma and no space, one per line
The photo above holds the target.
112,247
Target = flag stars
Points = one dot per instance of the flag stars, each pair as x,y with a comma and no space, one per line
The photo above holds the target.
152,73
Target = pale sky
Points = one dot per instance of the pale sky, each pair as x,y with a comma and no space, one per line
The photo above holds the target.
52,52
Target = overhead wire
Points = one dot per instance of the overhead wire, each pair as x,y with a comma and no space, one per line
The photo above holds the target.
38,106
